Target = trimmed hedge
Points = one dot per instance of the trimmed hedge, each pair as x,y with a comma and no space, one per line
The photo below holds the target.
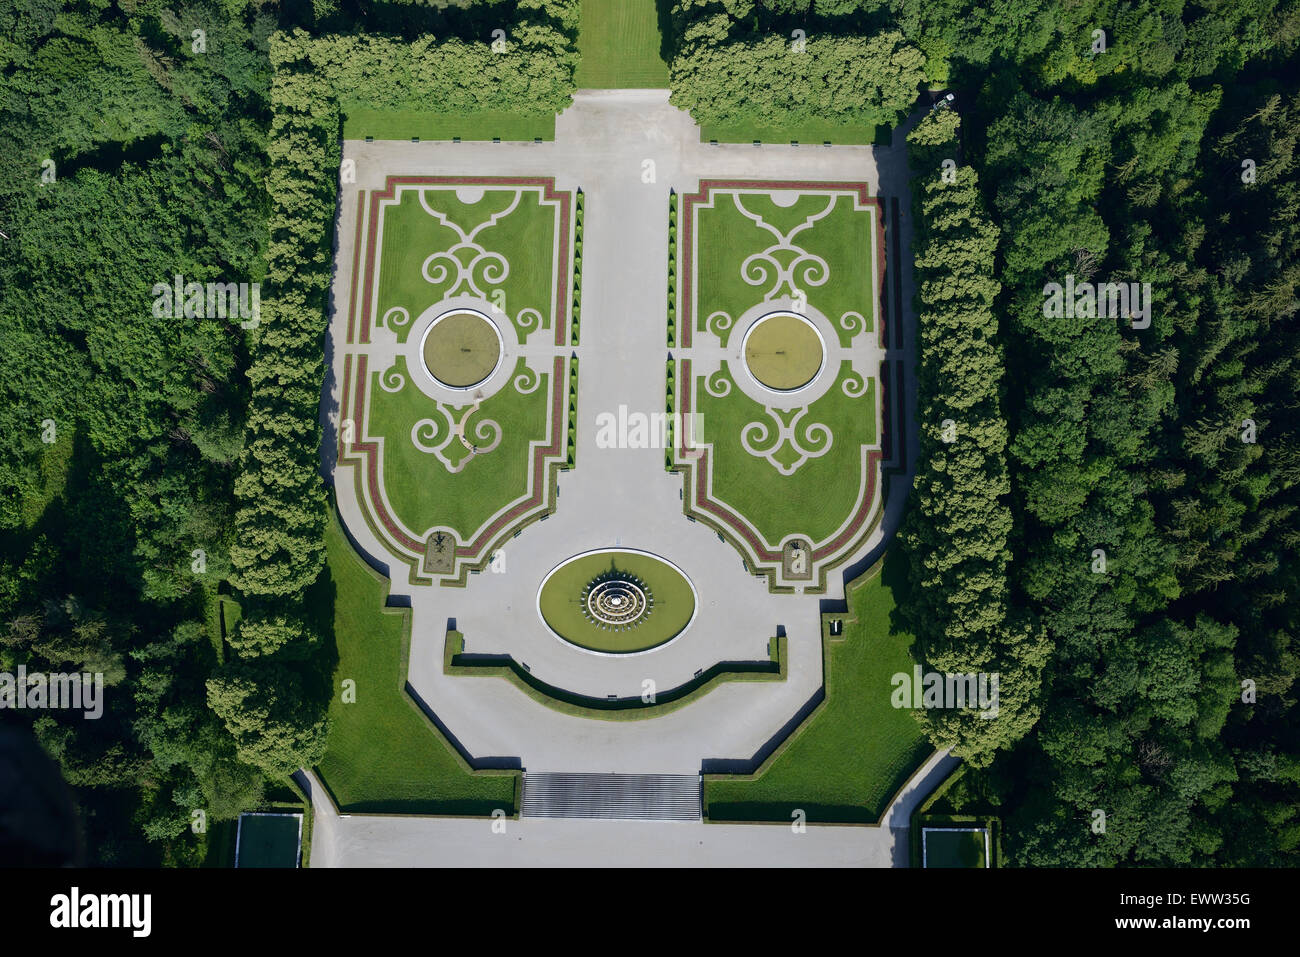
957,529
456,662
729,79
672,268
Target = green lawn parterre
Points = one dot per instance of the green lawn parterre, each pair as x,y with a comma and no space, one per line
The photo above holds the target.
621,45
524,237
819,495
844,238
421,490
848,759
793,491
384,755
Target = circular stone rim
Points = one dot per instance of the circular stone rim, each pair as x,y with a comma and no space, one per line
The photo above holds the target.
459,311
695,597
821,341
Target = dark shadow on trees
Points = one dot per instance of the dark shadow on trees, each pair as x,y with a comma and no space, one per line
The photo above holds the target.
110,157
467,21
896,576
322,659
83,545
39,824
667,33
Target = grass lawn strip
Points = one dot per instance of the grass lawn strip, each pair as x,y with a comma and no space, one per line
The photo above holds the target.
384,755
808,132
379,124
849,758
621,46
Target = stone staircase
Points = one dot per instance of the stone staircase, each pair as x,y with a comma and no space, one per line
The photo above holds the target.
618,797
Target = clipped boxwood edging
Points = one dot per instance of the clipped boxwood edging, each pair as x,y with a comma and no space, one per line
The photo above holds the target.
571,419
456,662
672,427
575,321
672,268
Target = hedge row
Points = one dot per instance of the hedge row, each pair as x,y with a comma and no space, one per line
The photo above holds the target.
727,76
956,533
670,446
573,412
672,268
456,662
577,268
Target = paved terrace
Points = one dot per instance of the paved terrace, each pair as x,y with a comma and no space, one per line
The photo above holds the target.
360,840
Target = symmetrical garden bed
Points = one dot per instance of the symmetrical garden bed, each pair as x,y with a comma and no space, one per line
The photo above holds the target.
778,359
455,392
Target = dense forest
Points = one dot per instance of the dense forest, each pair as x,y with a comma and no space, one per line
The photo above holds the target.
127,159
1114,527
1170,449
1105,506
1152,465
159,468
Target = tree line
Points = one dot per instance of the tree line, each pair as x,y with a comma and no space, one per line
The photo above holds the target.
131,152
1152,469
958,524
737,65
163,473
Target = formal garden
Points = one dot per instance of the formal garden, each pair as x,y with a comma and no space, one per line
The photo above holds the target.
779,356
168,519
456,390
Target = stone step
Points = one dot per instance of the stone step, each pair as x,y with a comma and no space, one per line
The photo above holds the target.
623,797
